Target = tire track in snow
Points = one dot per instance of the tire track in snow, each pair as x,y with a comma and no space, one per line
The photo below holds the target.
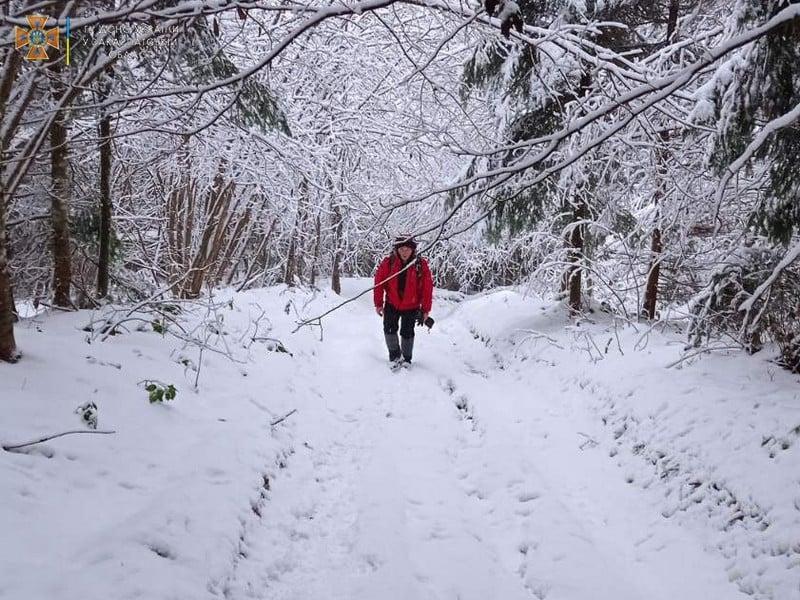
305,542
583,540
376,504
452,525
692,493
429,484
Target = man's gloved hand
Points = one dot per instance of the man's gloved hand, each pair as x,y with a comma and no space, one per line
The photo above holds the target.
420,318
379,310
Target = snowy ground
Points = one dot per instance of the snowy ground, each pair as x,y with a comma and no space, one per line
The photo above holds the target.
521,457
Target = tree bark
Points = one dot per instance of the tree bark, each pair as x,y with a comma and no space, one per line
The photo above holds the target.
8,345
654,272
218,214
9,257
672,19
572,278
571,281
288,274
656,242
105,206
338,224
317,246
59,194
294,259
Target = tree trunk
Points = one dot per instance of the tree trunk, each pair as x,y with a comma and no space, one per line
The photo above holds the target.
672,19
9,257
572,279
317,245
656,243
338,223
8,345
651,290
300,233
105,206
656,247
288,274
218,214
59,194
294,260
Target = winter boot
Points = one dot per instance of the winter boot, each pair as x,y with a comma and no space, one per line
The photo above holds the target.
407,344
393,345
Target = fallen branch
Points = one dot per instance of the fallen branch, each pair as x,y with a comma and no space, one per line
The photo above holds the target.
284,417
537,335
9,448
699,352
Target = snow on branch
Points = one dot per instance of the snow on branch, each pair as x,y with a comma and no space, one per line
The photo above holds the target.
784,120
792,255
651,93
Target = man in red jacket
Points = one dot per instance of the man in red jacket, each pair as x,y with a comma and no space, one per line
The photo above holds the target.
403,295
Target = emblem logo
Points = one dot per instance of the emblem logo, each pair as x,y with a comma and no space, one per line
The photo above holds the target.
36,38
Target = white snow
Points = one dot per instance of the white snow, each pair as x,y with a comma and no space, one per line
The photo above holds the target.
522,456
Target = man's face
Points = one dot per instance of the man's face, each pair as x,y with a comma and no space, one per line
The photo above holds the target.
405,252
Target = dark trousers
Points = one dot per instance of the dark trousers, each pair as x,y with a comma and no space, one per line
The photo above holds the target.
404,320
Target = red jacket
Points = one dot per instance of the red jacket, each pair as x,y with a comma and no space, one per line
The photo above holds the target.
416,294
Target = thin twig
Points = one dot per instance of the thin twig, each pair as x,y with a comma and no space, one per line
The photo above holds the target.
699,352
9,448
318,319
284,417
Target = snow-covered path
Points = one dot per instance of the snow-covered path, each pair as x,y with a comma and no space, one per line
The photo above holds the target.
523,455
456,480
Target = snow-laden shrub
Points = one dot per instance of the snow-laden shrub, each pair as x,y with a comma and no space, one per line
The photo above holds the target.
88,414
754,297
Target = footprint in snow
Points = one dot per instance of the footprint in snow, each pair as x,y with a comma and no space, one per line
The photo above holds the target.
161,550
297,535
538,588
448,385
217,476
479,494
528,496
373,561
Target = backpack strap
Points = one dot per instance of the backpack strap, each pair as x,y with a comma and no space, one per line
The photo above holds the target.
419,280
418,266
